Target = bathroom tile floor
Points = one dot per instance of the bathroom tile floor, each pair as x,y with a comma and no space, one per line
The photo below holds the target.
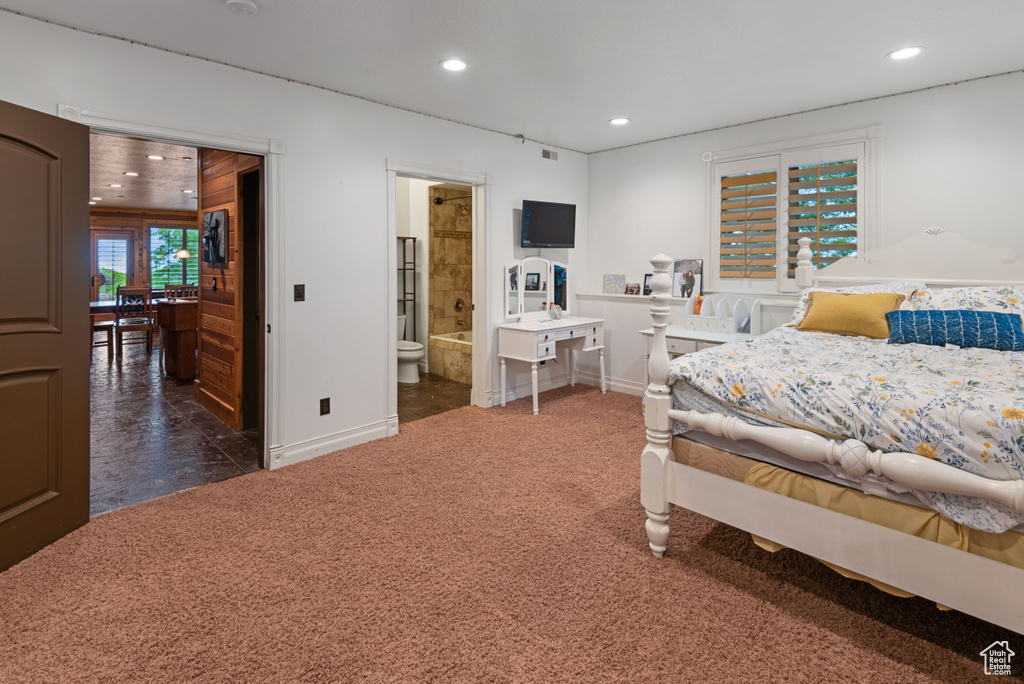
148,436
430,396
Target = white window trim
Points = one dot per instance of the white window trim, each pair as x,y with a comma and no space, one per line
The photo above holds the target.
869,201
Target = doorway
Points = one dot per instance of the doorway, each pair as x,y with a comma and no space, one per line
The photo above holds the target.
152,429
476,189
435,297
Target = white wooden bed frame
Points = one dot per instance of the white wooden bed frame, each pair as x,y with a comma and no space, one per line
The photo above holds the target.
972,584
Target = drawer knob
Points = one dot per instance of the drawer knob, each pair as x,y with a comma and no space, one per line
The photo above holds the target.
571,333
545,337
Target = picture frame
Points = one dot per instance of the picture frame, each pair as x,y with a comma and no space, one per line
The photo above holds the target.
215,236
614,284
532,282
686,277
647,283
633,288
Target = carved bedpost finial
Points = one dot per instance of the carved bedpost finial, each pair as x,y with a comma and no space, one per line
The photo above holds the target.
804,267
661,295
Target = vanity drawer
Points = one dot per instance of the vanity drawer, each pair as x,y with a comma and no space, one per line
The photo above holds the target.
708,324
593,342
678,346
544,337
576,333
545,350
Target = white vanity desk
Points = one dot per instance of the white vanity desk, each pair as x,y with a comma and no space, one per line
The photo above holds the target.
536,340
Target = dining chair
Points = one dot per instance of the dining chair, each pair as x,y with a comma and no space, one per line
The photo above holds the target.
134,313
104,324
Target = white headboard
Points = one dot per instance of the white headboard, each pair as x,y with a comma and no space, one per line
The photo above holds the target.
937,256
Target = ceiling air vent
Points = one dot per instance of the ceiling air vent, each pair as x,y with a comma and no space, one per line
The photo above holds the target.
549,154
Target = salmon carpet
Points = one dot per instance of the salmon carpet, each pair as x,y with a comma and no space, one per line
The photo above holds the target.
477,545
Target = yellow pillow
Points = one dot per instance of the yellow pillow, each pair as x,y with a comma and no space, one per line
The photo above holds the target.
850,314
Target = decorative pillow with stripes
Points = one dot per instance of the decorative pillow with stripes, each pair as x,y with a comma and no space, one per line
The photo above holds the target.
961,327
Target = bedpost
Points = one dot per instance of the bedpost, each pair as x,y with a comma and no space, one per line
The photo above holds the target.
657,402
804,267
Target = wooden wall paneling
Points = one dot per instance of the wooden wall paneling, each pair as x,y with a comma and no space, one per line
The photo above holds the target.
219,386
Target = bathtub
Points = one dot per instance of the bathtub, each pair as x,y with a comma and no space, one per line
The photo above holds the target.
465,337
450,355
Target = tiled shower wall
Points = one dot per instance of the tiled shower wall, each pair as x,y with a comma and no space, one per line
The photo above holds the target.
451,279
451,260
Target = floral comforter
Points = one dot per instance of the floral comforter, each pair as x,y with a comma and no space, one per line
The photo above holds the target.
964,407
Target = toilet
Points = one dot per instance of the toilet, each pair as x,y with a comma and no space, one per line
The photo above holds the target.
409,355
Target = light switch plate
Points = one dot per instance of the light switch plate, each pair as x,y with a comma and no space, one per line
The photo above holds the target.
300,293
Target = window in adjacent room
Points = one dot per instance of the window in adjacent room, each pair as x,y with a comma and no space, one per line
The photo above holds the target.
165,267
764,200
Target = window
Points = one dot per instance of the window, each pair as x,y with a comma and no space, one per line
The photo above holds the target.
764,200
823,207
165,268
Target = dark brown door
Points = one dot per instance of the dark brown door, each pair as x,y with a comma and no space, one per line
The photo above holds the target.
44,324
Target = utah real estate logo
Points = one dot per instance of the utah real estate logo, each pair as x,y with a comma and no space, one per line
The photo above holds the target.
997,658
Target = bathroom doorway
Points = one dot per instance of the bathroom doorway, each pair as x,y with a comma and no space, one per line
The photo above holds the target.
435,297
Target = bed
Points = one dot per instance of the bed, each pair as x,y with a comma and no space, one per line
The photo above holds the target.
829,444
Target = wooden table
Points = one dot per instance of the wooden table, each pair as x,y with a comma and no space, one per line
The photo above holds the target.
179,321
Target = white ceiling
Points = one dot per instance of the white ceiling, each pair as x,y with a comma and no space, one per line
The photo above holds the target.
557,70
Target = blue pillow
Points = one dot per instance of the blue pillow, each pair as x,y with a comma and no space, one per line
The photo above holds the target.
986,329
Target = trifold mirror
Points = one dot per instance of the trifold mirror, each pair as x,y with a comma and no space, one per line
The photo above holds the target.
533,285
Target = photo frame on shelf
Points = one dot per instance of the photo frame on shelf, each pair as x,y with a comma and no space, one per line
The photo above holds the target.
614,284
686,277
647,283
532,282
632,288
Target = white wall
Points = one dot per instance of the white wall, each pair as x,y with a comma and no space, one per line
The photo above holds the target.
334,197
413,217
951,157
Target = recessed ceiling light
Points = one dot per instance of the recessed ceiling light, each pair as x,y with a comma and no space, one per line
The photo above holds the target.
115,185
98,199
155,156
130,173
92,203
188,192
905,53
243,6
453,64
619,121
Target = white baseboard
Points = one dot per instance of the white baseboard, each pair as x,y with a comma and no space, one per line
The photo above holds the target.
613,384
303,451
526,389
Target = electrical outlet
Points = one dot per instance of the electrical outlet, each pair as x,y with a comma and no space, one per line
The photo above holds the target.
300,293
325,406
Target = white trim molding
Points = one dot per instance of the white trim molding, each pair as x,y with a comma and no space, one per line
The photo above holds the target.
282,456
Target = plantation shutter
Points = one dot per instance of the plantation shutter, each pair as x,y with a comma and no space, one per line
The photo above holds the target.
823,207
748,205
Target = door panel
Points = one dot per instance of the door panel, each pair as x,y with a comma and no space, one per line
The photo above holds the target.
44,346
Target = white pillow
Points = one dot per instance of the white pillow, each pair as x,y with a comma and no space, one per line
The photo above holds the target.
999,299
903,287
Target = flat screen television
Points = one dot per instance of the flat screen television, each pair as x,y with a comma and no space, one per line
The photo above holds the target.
548,224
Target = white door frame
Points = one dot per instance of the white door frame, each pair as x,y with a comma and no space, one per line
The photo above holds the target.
272,151
481,184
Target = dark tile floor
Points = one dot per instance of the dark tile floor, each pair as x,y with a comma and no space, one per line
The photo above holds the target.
430,396
149,438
